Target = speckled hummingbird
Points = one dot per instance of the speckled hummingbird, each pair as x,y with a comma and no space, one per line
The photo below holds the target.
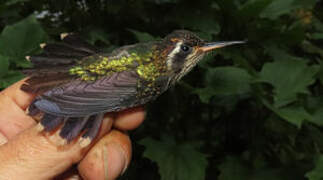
76,83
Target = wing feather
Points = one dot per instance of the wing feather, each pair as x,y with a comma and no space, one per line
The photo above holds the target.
80,98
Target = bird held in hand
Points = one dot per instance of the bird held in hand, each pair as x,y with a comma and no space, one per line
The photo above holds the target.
76,83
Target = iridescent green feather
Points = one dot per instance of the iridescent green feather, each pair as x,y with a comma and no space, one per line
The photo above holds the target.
138,59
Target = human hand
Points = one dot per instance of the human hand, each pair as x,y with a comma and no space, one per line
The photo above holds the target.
25,153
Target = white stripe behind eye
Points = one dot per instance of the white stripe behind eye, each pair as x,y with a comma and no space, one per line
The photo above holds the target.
171,55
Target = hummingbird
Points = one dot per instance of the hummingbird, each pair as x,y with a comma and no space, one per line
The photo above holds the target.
76,83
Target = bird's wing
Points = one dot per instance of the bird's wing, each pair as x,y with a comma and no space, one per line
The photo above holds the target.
80,98
63,94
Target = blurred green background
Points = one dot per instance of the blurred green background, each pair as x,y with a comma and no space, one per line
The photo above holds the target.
247,112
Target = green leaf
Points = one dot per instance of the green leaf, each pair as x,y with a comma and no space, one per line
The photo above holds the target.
279,53
4,65
320,73
318,116
281,7
12,2
237,168
309,47
225,81
315,105
308,4
21,39
10,78
317,36
294,115
233,169
142,36
253,8
277,8
175,161
317,172
288,77
204,23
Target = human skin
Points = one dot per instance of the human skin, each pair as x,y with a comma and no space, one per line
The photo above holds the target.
26,153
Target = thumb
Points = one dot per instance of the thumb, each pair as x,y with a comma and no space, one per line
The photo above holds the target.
33,155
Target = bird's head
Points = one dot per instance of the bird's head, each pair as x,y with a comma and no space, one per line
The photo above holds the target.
183,50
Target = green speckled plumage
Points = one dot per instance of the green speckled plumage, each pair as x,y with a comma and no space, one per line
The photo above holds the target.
97,66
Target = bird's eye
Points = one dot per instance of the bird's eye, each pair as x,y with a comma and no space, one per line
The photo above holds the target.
185,48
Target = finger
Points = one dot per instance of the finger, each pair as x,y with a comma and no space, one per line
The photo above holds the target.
12,109
21,98
130,118
31,155
13,119
108,158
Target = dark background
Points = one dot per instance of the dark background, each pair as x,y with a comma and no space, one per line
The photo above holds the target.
252,111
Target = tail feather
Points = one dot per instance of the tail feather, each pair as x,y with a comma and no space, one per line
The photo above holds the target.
77,43
93,126
64,50
68,52
32,110
45,60
51,68
70,128
51,122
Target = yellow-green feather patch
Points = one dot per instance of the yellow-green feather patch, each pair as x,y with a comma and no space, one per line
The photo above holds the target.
105,66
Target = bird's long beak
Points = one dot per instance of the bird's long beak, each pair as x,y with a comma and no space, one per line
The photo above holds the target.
215,45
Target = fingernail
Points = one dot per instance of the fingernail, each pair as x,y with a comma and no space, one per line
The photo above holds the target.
74,177
40,127
84,142
3,139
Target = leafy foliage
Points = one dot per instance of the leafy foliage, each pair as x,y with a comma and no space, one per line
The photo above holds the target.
175,161
290,78
256,110
17,41
316,174
224,81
